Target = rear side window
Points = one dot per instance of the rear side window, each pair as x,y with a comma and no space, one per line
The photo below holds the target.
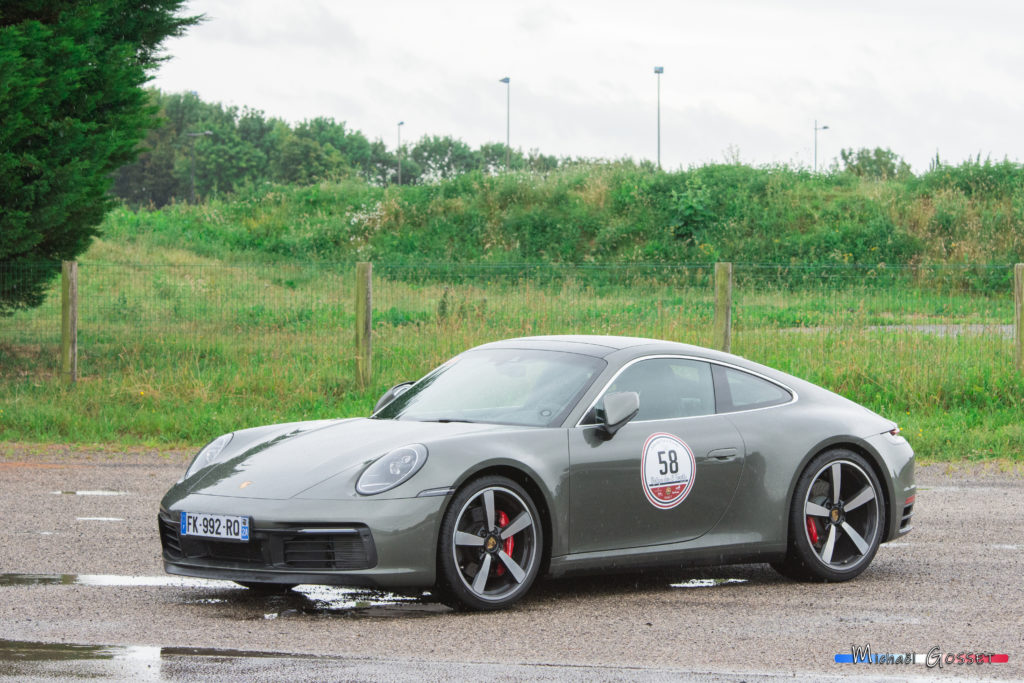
737,390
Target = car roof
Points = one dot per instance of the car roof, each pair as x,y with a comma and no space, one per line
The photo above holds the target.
597,345
628,348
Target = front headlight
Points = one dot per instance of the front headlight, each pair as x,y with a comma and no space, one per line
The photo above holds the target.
209,454
390,470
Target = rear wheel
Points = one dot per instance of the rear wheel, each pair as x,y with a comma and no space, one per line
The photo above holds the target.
836,519
489,552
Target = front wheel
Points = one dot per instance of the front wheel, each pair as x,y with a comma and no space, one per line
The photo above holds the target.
491,544
836,519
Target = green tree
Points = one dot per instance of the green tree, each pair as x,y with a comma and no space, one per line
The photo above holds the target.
352,145
73,110
492,158
302,160
541,163
877,163
443,157
382,168
150,180
219,149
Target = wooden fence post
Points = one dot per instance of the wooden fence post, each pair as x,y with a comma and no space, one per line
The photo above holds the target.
723,307
69,321
1018,310
364,323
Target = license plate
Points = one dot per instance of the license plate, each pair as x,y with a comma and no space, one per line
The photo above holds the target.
215,526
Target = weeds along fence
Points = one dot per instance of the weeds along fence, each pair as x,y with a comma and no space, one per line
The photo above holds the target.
286,332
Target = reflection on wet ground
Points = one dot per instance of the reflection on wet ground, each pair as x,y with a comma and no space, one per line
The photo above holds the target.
354,602
36,661
29,651
59,661
706,583
235,602
89,493
111,580
301,600
16,650
33,661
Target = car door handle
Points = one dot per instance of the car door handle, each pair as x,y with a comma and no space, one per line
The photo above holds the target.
723,454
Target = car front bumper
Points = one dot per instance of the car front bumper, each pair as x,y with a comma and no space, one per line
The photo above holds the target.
366,542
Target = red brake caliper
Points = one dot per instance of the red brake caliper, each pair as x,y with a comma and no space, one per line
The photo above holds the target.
510,542
812,530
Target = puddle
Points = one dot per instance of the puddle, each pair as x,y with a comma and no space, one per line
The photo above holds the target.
706,583
21,660
302,600
61,661
311,600
112,580
206,601
89,493
16,650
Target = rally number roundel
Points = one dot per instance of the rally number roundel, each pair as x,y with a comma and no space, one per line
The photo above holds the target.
668,469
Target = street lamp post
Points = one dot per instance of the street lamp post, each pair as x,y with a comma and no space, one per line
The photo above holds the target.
400,124
192,173
508,123
658,70
816,129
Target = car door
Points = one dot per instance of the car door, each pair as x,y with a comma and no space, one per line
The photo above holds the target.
665,477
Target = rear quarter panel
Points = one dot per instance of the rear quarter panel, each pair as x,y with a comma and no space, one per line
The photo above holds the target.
780,442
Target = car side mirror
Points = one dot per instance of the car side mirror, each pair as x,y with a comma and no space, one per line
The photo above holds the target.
391,394
619,409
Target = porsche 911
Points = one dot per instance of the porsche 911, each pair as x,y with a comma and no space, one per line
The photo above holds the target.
549,456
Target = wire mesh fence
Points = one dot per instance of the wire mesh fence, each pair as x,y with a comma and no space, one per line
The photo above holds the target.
251,328
433,312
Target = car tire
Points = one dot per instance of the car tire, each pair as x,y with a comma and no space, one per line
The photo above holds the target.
834,531
490,547
266,588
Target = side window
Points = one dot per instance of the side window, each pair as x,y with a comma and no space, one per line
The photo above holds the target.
668,388
738,390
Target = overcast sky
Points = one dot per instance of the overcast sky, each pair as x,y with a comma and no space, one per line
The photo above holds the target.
743,79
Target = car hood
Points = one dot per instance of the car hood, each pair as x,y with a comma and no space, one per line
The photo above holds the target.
285,460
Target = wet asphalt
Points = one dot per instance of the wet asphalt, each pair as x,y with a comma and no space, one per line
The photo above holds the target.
83,595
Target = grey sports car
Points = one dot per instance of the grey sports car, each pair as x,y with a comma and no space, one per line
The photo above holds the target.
549,456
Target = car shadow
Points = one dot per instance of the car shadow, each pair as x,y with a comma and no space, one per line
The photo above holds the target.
652,581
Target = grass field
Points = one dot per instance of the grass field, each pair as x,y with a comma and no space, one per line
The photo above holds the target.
176,349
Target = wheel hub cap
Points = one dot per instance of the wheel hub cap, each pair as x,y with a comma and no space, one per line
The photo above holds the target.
491,544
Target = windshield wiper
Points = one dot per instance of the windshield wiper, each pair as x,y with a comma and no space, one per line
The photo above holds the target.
446,420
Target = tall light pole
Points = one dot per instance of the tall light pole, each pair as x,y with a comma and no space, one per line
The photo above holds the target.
508,119
658,70
400,124
193,171
816,129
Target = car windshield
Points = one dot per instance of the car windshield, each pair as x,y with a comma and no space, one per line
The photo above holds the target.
503,386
